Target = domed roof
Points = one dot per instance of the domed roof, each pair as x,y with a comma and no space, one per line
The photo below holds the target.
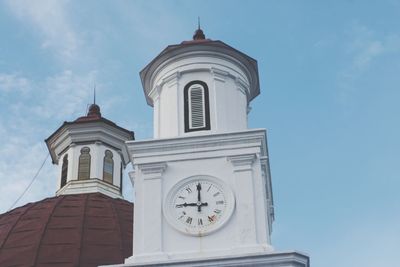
70,230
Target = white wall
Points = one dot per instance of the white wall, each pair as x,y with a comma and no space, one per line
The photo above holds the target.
228,100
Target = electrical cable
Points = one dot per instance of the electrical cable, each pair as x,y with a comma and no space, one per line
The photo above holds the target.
29,185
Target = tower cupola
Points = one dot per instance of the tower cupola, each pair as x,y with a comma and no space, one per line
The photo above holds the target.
91,155
199,87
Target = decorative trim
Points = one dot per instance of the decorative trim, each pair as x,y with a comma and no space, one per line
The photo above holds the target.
242,160
219,75
242,86
199,143
132,176
153,168
155,92
171,80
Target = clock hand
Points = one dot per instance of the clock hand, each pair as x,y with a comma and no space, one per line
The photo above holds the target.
191,204
198,187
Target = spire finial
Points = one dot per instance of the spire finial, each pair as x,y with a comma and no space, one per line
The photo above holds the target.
94,110
198,22
94,94
198,34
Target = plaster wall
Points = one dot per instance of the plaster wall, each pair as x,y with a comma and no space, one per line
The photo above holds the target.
228,95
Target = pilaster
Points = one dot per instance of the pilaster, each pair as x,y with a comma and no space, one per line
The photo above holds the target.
148,211
246,232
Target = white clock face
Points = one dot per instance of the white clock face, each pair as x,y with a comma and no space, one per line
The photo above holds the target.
199,205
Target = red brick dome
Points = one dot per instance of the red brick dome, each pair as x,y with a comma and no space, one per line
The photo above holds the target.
70,230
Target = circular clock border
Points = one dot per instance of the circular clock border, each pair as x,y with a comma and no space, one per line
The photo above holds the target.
167,209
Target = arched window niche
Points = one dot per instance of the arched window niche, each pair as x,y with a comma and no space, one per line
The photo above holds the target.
84,164
108,167
196,107
64,171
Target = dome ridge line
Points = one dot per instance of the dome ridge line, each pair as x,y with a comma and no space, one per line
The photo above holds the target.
28,207
50,216
121,246
81,243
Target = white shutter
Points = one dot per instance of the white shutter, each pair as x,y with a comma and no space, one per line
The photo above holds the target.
196,107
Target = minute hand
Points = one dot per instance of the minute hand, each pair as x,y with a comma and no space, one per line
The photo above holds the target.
198,187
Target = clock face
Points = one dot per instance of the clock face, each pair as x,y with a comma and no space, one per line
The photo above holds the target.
199,205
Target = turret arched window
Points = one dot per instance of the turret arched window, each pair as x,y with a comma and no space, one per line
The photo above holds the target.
197,108
84,164
64,171
120,177
108,167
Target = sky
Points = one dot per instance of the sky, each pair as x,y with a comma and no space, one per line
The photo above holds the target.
330,90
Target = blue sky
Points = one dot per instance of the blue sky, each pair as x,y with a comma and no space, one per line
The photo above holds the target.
330,90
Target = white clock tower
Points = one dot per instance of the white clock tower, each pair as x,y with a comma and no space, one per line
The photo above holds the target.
203,193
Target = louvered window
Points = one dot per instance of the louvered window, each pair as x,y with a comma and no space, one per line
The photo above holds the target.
84,164
108,167
64,171
197,116
196,107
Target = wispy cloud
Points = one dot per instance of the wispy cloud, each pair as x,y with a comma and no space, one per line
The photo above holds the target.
13,82
363,49
51,19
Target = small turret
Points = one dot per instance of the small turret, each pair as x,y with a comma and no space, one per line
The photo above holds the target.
91,154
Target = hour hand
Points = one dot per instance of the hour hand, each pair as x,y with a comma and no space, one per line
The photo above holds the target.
185,205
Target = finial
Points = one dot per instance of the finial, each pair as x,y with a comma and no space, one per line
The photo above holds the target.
94,94
198,22
198,34
94,110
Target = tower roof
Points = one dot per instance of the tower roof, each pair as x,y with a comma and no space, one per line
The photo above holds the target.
93,124
71,230
200,45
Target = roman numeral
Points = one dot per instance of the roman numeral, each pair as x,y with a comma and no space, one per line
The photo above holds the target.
211,219
178,205
181,197
200,221
188,190
216,194
219,202
189,220
209,188
217,211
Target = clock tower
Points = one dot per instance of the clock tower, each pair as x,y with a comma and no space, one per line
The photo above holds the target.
203,192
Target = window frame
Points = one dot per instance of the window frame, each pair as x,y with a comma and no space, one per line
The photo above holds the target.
64,171
80,163
187,107
112,166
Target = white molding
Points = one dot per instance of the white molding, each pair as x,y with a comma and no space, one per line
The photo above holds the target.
172,79
92,185
260,259
242,160
154,94
219,74
153,168
132,176
198,146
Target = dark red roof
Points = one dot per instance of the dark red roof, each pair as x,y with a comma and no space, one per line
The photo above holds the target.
71,230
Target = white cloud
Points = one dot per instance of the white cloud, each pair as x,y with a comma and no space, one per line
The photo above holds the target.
13,82
364,48
50,18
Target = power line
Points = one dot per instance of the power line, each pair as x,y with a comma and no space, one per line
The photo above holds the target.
29,185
